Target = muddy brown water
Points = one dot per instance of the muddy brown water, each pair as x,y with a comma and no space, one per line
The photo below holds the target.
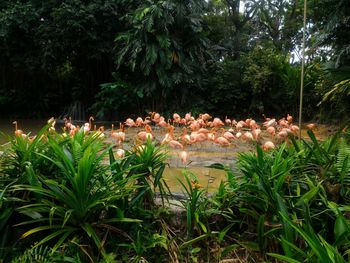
200,156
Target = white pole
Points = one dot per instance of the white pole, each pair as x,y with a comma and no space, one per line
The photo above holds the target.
302,71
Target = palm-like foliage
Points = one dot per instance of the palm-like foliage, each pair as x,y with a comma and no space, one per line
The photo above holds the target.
81,203
271,196
195,205
149,161
334,86
327,161
41,254
21,151
316,249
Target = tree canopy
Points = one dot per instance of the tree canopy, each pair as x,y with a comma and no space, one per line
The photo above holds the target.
129,56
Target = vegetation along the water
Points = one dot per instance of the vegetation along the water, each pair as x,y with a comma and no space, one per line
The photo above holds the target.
75,196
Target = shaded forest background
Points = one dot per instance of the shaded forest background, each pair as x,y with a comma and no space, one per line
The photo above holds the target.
226,57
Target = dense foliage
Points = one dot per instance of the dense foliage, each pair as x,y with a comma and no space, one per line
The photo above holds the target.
68,198
122,57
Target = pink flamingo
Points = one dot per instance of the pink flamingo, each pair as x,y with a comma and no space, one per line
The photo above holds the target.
176,118
206,117
175,144
211,136
188,117
147,134
256,134
282,135
185,138
120,135
228,121
282,122
270,123
120,153
295,129
217,123
139,122
247,136
162,122
17,131
130,122
222,141
194,126
268,146
311,126
229,136
271,130
183,157
169,135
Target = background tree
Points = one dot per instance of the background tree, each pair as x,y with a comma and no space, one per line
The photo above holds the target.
165,49
48,49
130,57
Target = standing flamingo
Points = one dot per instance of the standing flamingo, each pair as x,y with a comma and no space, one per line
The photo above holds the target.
120,153
256,133
175,144
145,135
185,138
295,129
17,131
271,130
183,157
139,122
119,136
247,136
130,122
311,126
228,135
222,141
176,118
169,135
270,123
282,135
228,121
268,146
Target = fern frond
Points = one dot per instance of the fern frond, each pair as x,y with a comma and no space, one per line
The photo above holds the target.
342,157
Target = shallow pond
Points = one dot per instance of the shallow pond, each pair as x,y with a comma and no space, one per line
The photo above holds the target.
208,178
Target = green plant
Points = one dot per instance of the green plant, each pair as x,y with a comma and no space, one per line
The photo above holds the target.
41,254
142,246
21,151
149,161
152,47
82,204
316,249
264,195
327,161
6,210
113,97
195,205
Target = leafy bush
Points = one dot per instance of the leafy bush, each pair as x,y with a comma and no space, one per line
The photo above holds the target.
58,189
113,99
296,196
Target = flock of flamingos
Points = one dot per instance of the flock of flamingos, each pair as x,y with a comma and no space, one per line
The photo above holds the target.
195,131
